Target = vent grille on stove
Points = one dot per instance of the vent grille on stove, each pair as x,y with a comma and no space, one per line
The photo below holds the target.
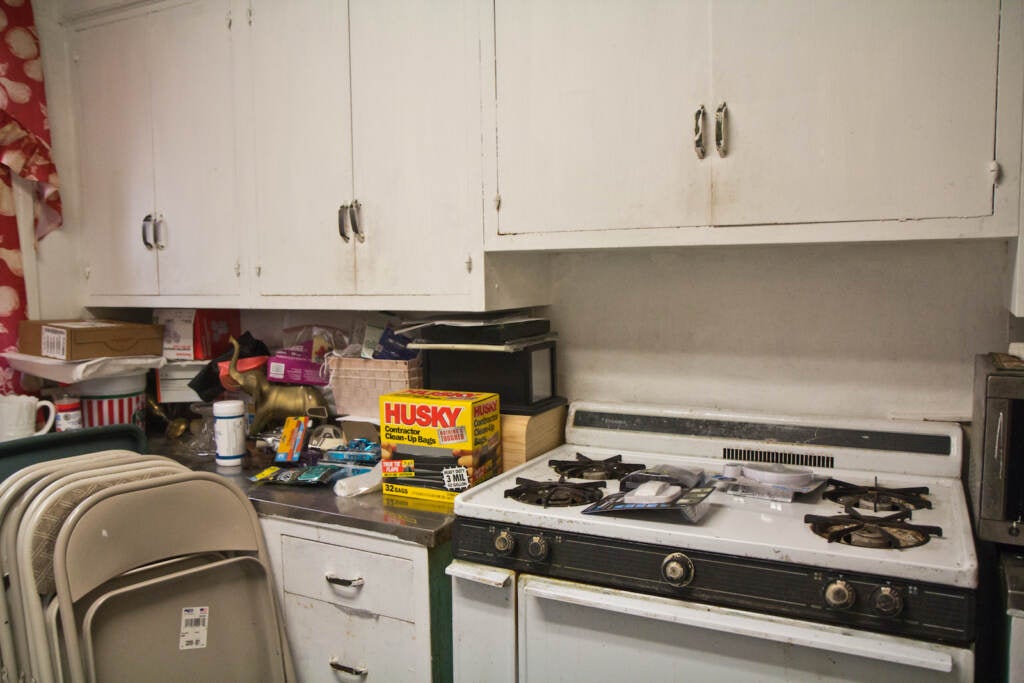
783,457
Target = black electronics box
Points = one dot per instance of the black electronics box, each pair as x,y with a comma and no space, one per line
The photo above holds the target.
524,379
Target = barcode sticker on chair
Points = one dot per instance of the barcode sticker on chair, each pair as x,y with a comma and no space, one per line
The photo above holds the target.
194,623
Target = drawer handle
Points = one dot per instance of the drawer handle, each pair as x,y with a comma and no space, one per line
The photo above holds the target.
338,581
338,666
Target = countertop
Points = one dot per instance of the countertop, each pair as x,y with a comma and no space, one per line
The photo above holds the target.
421,522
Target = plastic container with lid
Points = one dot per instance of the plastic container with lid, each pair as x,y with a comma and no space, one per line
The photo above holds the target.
229,427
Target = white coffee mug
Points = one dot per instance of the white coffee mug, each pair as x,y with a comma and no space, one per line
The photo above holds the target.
18,416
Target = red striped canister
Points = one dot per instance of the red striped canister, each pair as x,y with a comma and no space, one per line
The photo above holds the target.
113,400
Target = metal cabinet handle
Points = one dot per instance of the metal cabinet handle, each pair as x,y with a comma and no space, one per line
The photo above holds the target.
343,221
720,126
147,222
338,581
698,132
355,218
338,666
158,232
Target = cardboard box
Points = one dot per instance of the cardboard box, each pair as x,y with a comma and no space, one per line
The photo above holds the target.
197,334
86,339
297,365
435,444
172,382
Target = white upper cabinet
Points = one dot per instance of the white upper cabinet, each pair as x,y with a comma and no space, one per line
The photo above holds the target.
307,154
302,147
596,113
116,155
367,150
823,120
157,153
416,94
854,111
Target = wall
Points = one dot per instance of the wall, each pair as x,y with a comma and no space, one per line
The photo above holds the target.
873,329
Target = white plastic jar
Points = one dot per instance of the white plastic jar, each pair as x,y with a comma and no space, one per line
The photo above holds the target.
229,426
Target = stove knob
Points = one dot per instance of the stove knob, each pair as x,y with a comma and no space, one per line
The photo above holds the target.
840,595
677,569
887,601
538,548
505,543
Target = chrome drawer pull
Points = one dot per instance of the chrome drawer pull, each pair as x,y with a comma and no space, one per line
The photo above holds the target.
338,666
337,581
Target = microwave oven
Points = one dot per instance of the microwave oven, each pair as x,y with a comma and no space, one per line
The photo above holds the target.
995,470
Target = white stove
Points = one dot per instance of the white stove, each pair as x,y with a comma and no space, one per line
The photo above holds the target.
749,556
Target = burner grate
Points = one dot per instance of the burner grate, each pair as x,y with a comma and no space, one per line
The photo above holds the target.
556,493
889,532
587,468
877,498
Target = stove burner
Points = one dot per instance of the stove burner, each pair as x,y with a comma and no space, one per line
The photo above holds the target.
890,531
877,498
556,493
586,468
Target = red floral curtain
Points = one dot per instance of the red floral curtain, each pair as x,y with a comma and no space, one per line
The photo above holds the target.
24,150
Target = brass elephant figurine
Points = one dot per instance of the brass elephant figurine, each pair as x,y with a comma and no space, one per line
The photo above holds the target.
273,401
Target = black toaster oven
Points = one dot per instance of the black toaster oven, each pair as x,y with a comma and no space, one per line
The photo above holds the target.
995,470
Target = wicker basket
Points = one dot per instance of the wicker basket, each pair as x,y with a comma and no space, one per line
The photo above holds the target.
357,383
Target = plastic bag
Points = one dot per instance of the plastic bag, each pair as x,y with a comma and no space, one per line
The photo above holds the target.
359,484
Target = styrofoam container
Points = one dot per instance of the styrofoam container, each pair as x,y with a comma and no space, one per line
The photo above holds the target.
113,400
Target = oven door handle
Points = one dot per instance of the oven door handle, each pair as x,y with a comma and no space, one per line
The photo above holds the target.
762,626
478,573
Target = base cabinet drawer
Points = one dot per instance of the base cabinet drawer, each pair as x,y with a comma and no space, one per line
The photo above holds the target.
362,646
358,579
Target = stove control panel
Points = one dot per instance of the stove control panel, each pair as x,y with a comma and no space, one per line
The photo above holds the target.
840,595
876,603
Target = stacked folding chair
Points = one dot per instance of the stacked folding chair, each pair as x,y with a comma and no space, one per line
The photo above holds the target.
125,567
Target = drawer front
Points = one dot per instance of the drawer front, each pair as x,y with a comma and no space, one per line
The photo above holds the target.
319,633
385,580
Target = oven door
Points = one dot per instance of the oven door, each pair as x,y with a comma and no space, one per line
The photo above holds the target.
571,631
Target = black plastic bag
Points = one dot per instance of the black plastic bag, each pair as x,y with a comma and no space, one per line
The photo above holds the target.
207,382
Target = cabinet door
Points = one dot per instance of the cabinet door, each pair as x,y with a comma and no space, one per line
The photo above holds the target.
416,144
842,111
194,148
303,143
116,156
596,107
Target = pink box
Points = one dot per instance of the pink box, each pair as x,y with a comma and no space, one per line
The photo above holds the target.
294,365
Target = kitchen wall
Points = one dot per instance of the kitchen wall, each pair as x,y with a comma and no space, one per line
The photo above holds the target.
873,329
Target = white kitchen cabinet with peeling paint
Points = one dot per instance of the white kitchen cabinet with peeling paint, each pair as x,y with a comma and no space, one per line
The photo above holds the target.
732,122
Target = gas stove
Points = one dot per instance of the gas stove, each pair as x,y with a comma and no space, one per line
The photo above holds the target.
893,488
